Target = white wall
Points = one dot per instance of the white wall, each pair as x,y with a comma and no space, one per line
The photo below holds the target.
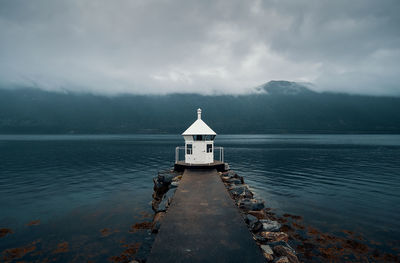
199,152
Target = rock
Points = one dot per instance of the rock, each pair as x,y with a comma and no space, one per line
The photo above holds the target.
241,179
165,202
251,204
249,219
225,178
159,188
174,184
157,184
155,227
259,214
270,226
235,175
235,181
267,252
285,251
267,249
256,226
281,260
230,174
240,191
259,239
281,243
177,178
169,201
157,221
165,178
154,205
223,174
158,216
274,236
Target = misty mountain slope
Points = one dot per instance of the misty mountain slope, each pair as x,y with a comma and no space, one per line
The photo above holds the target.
284,107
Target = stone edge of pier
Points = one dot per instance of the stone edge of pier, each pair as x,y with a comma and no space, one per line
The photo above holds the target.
265,231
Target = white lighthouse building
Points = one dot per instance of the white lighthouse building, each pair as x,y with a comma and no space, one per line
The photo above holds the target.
199,142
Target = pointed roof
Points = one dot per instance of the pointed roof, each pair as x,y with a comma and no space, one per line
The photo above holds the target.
199,127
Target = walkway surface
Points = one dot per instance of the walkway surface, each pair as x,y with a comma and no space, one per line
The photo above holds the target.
203,225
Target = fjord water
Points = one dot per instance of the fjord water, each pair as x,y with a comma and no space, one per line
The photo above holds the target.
88,190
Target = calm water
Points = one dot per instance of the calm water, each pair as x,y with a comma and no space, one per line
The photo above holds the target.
77,186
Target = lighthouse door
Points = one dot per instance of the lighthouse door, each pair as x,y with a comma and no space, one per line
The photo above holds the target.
199,152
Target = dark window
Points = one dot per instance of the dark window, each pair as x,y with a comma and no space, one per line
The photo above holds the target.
189,149
203,137
209,148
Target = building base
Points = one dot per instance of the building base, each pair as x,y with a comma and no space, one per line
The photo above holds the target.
220,166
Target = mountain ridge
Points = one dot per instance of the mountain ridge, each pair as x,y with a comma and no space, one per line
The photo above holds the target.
284,107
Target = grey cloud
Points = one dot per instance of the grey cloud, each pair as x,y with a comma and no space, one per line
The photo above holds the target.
200,46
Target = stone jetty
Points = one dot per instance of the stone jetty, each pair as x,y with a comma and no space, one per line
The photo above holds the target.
210,216
203,225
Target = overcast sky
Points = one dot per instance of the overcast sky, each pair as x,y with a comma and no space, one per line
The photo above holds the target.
228,46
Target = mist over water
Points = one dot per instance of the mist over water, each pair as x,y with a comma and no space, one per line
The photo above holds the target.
77,185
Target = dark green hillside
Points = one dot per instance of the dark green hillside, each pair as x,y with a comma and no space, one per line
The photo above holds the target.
280,107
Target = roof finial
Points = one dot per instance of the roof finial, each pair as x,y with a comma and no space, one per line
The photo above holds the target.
198,113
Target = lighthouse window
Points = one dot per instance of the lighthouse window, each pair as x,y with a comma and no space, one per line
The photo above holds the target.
189,149
199,137
209,148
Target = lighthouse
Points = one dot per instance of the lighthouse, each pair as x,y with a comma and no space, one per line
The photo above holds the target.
199,142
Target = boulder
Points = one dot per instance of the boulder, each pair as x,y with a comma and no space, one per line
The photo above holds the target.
155,227
157,222
158,216
165,178
249,219
174,184
235,181
274,236
281,260
267,252
177,178
230,174
287,252
166,201
256,226
281,243
169,201
162,206
159,188
225,178
259,214
157,184
270,225
240,191
259,239
251,204
154,205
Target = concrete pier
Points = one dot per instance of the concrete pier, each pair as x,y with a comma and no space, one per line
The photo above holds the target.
203,225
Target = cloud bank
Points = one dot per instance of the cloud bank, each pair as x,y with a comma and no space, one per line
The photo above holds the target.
224,47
